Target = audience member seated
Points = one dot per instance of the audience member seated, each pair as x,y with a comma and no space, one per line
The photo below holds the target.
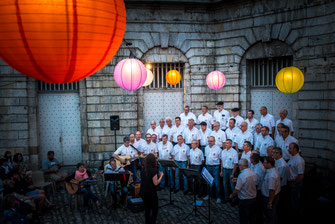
21,166
12,211
4,169
8,157
51,168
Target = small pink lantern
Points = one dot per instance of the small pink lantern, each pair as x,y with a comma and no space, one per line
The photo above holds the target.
215,80
130,74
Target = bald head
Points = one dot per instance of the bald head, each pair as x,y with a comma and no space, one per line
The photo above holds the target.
244,126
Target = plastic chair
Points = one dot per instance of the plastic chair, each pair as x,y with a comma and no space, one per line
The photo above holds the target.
39,181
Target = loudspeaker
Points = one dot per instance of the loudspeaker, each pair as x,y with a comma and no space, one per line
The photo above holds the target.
115,122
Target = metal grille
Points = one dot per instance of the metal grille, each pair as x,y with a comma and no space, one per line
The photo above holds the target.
159,71
263,71
66,87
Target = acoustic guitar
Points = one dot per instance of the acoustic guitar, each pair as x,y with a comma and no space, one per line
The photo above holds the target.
75,184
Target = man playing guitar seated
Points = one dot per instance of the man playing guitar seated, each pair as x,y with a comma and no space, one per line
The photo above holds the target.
127,150
113,168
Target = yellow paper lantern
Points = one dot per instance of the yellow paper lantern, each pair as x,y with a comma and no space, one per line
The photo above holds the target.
289,80
173,77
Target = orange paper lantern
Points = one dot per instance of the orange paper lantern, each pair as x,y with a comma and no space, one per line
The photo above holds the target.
60,41
173,77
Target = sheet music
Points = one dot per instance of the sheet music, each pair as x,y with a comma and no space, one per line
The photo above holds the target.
207,176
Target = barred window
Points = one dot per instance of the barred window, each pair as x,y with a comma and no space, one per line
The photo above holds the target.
263,71
159,71
66,87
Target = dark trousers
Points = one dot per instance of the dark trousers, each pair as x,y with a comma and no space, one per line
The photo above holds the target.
132,168
87,193
295,193
270,215
247,211
283,204
151,208
259,207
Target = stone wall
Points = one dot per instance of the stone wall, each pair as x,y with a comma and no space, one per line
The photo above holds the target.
218,35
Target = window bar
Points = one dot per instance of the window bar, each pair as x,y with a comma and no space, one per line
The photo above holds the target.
271,71
179,70
253,73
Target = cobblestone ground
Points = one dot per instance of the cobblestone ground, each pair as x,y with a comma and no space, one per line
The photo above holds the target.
63,213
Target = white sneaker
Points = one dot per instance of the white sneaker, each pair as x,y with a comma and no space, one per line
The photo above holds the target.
218,201
206,197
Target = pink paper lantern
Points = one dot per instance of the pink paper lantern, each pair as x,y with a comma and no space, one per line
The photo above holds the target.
130,74
215,80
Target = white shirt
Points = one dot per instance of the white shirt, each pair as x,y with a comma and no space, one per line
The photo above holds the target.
149,148
268,121
123,151
181,152
156,131
229,157
161,131
204,137
263,144
238,121
284,145
137,144
297,166
196,156
206,118
109,169
232,133
220,137
177,131
165,151
283,171
213,155
252,125
246,184
287,122
246,156
184,118
221,117
271,182
169,131
259,170
241,137
190,135
256,137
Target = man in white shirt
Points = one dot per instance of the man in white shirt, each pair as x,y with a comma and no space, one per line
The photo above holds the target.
169,128
127,150
186,116
154,138
264,142
284,142
246,190
232,130
283,170
149,147
258,168
205,117
297,170
221,115
196,162
138,141
251,121
257,134
181,155
267,120
278,137
229,161
212,154
191,133
218,134
237,117
283,119
153,129
132,143
165,149
161,129
270,190
204,135
246,151
242,136
178,129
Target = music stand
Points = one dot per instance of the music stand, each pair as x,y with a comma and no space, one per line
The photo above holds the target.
194,174
210,181
121,176
170,164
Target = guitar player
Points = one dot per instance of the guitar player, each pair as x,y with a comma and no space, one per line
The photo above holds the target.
127,150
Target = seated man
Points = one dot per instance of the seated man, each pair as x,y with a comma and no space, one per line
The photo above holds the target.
113,168
51,168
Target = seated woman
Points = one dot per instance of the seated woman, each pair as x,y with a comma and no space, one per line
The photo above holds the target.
80,175
12,213
4,169
8,157
19,164
113,168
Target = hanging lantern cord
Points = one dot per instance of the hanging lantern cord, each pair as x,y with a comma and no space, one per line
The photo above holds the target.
132,55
